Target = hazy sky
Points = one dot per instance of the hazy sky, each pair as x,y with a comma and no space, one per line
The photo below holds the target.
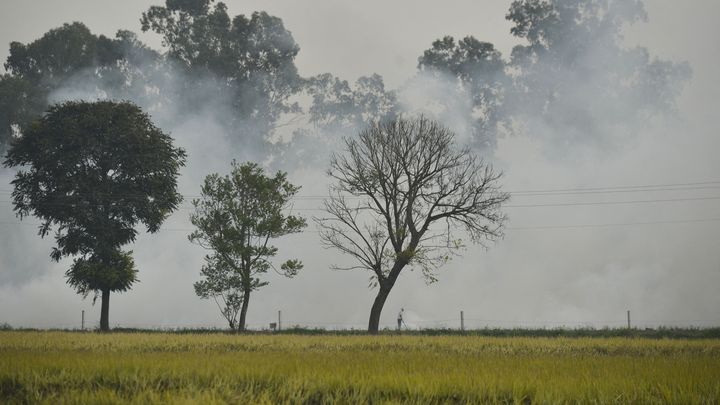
573,275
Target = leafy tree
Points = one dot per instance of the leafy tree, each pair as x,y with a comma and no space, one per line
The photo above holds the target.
337,105
480,71
575,76
95,170
20,103
337,108
248,60
400,189
69,56
236,217
572,78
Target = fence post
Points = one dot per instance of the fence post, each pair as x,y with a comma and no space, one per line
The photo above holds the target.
462,321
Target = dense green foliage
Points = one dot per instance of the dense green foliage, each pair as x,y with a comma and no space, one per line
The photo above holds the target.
56,367
64,56
94,171
236,217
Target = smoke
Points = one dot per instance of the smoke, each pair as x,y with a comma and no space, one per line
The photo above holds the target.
583,259
438,97
167,261
571,265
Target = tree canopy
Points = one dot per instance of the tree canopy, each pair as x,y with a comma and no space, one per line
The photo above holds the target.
68,54
94,171
576,76
339,106
479,71
249,60
572,78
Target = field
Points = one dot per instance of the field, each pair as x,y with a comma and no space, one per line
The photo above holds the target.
73,367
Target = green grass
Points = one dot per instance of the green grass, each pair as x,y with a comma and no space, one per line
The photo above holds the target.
64,367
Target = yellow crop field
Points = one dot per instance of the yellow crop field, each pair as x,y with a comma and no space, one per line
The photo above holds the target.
67,367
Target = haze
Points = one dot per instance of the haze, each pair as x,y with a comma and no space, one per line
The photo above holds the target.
566,260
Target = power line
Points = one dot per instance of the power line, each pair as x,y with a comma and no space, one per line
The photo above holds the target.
611,202
706,185
514,228
639,190
539,192
583,189
120,203
686,221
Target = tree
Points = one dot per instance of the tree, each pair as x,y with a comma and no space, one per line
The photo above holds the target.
20,103
248,60
95,170
574,75
236,217
571,78
68,56
400,189
480,71
337,108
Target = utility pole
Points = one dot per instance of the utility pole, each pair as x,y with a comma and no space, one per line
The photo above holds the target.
279,324
628,313
82,320
462,321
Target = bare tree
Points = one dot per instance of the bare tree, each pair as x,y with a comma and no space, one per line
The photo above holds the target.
402,189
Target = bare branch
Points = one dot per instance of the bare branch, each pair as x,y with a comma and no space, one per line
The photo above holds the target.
409,176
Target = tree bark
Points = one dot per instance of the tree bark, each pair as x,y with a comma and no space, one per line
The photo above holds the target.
377,308
243,311
386,285
105,311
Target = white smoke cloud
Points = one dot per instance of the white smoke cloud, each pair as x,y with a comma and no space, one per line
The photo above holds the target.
665,273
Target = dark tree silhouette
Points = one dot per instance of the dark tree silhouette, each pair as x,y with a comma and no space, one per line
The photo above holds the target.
95,170
401,189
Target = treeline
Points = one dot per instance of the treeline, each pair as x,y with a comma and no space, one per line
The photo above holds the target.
570,77
93,171
662,332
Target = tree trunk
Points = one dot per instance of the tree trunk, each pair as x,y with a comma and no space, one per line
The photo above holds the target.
377,308
243,311
105,311
386,285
